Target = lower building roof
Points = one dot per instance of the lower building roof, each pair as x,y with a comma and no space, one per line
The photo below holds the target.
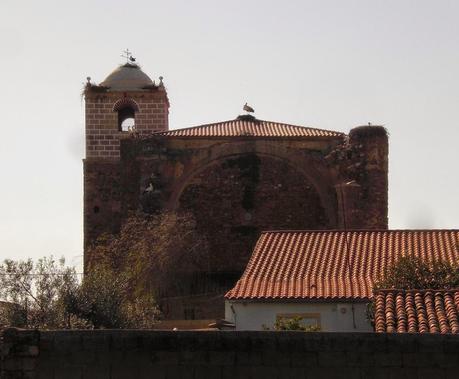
333,265
417,311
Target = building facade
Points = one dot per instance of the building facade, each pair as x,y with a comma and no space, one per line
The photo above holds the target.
237,177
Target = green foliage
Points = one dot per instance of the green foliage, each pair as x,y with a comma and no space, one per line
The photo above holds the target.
149,256
413,273
103,300
152,253
99,300
34,293
294,323
47,295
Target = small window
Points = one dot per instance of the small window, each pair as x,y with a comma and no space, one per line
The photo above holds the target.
126,109
126,119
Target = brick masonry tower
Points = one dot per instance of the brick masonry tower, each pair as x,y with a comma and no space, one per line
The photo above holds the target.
362,193
126,102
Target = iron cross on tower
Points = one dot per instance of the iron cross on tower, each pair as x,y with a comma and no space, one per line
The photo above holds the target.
128,56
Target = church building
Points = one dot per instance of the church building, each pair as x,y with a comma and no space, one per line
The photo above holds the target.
238,177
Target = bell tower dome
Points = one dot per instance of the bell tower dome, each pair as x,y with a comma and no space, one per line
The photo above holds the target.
126,101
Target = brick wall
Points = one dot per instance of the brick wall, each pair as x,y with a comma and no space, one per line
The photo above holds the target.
102,133
219,355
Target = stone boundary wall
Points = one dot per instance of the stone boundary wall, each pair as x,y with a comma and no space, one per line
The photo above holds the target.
217,355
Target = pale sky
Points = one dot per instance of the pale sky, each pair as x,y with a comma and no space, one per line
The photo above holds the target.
326,64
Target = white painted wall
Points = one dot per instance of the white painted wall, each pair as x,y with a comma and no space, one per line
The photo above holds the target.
334,317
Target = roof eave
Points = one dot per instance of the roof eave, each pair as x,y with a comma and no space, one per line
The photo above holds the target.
300,300
291,138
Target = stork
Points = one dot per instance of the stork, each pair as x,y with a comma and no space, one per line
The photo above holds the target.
149,188
248,108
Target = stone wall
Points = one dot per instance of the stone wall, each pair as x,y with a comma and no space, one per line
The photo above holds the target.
361,163
239,186
103,195
219,355
236,199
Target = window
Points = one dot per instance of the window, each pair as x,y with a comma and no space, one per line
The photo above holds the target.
126,109
126,119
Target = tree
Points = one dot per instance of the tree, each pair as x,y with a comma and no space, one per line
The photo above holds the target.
409,272
48,295
34,293
102,299
156,254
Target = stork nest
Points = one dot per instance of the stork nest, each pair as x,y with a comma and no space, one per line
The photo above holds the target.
95,88
368,131
247,117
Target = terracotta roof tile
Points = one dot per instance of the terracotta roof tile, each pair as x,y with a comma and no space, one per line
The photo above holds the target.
317,264
417,311
250,127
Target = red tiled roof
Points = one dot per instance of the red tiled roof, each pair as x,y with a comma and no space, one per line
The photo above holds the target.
317,265
416,311
250,127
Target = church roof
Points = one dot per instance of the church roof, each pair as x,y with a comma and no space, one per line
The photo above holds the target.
312,265
250,126
417,311
127,77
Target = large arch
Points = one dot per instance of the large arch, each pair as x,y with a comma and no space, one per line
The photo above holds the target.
237,190
314,169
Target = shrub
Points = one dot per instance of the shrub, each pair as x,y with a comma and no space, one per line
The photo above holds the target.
294,323
409,272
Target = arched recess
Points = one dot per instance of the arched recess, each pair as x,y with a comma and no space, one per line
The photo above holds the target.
313,169
125,102
126,109
236,197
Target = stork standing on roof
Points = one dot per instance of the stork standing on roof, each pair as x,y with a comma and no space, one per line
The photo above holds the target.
248,108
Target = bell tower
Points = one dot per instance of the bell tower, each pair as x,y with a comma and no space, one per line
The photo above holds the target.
126,103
